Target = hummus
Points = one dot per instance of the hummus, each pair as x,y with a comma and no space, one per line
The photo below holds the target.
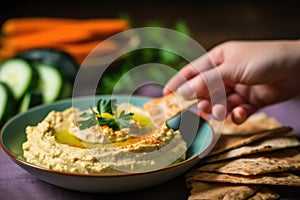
57,143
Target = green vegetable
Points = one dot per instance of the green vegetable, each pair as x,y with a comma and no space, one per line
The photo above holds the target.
105,115
50,83
19,75
30,100
7,103
35,77
61,60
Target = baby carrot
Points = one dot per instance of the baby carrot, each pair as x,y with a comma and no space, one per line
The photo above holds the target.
49,38
17,26
80,50
104,27
25,25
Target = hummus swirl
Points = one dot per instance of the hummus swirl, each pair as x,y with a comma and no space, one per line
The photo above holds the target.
54,144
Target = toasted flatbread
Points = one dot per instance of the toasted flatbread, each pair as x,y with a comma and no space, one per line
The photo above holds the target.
220,191
227,142
264,193
280,178
166,107
254,124
277,161
263,145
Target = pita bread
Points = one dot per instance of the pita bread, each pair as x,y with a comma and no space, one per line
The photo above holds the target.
254,124
263,145
280,178
227,142
277,161
220,191
264,193
166,107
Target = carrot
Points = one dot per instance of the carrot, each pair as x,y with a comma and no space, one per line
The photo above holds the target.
18,26
6,53
25,25
104,27
49,38
75,36
80,50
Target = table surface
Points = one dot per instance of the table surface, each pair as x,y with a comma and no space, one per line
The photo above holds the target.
18,184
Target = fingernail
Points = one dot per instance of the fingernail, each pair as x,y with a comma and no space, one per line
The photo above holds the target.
238,116
186,91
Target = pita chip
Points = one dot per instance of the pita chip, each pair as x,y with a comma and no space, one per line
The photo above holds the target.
227,142
263,145
220,191
166,107
277,161
254,124
264,193
280,178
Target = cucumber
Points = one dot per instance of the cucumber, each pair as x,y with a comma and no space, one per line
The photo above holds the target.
7,103
63,61
66,91
30,100
18,75
50,82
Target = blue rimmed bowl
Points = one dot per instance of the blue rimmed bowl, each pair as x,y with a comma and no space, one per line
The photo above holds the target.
13,135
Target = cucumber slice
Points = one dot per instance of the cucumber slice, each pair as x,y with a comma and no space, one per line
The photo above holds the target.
50,82
63,61
7,103
66,91
18,75
30,100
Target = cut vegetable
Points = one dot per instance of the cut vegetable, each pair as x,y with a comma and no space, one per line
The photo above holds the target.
64,62
30,100
50,83
25,25
18,75
7,103
99,26
46,38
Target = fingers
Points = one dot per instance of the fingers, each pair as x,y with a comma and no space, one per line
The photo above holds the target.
205,106
194,88
188,72
239,107
240,113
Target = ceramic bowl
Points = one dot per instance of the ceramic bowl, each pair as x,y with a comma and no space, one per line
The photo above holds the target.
13,135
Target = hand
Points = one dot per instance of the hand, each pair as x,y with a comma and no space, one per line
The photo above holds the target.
255,74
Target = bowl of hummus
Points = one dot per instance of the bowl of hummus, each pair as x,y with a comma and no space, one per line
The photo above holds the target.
104,144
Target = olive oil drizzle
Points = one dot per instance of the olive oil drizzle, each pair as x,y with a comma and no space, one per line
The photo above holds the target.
65,137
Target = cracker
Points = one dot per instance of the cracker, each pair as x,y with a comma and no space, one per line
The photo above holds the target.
166,107
254,124
227,142
264,193
280,178
263,145
277,161
220,191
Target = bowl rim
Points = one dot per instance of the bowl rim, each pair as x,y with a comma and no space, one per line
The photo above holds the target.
95,175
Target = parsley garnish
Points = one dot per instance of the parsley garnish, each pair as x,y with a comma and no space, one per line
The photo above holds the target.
98,116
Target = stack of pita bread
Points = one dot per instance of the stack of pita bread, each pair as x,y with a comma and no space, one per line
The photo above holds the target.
246,161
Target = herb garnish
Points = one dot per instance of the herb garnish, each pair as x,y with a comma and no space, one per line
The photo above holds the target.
104,114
